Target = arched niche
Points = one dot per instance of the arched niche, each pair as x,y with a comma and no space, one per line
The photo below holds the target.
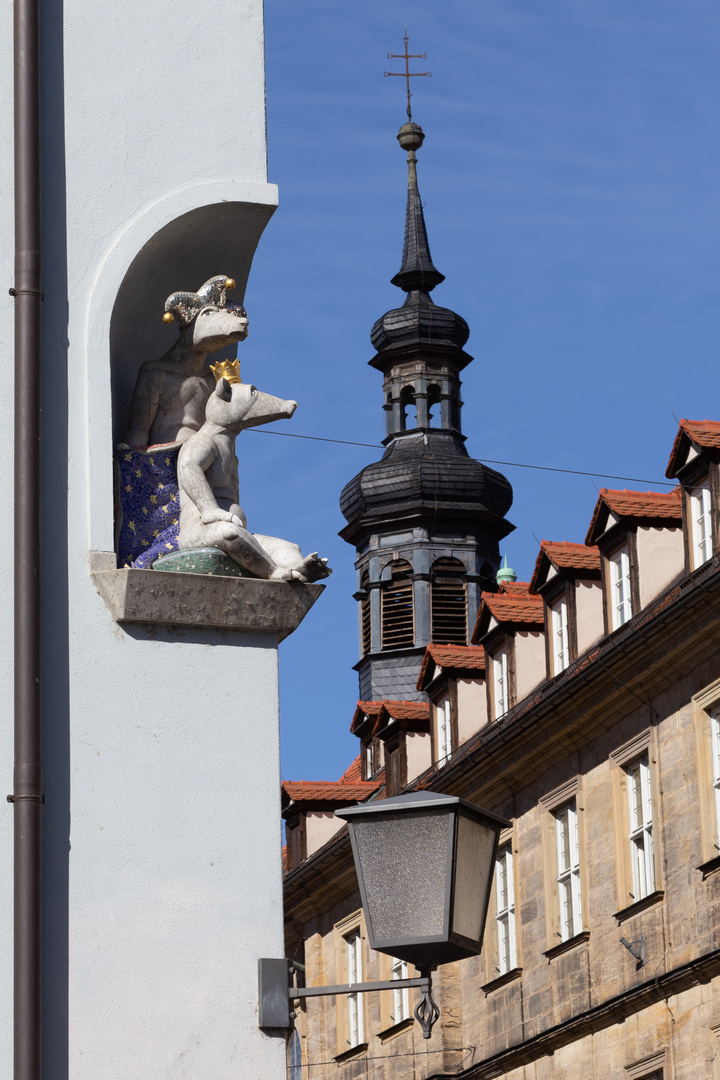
217,239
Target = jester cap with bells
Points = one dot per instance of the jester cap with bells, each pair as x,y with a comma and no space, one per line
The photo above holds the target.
185,306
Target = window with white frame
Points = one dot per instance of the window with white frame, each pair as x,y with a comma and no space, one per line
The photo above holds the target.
505,911
620,595
444,729
641,829
401,996
568,870
500,684
702,539
353,943
560,637
715,739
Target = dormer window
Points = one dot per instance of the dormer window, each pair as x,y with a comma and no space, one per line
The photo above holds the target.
559,636
443,729
701,524
501,696
620,602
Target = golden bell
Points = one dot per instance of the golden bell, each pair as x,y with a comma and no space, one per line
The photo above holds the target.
229,283
168,317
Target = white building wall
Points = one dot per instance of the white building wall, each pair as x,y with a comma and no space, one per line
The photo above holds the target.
661,559
589,613
530,663
162,875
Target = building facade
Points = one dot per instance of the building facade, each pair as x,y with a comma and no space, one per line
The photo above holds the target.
585,708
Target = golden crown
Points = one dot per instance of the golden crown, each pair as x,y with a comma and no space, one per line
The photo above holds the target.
226,369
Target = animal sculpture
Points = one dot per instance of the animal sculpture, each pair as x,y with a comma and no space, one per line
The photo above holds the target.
210,512
171,393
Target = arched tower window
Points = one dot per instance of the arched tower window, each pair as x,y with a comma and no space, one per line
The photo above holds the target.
408,420
449,602
365,631
433,398
398,624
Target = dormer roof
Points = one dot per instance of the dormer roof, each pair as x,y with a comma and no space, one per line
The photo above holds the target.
453,659
566,559
353,773
403,716
631,507
692,438
325,794
364,721
514,610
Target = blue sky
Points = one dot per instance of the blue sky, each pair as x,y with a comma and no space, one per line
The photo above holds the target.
570,177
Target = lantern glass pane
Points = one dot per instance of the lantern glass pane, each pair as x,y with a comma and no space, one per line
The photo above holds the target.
473,872
404,862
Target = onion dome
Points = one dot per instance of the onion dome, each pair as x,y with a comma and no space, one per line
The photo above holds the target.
436,473
419,322
505,573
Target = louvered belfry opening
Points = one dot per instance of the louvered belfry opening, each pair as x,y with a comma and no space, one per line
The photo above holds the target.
365,625
398,624
449,603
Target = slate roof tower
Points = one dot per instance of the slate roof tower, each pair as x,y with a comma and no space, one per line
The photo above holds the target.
426,519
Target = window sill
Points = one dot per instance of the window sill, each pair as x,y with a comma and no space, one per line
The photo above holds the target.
565,946
648,901
396,1029
502,980
709,867
354,1051
165,598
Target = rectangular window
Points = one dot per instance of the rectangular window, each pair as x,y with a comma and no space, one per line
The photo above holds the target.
500,684
715,741
568,871
505,911
560,637
641,830
355,1032
702,539
401,996
620,596
444,730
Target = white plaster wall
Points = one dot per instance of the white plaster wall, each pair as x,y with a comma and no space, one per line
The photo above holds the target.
661,558
471,707
589,613
530,664
418,748
320,826
162,875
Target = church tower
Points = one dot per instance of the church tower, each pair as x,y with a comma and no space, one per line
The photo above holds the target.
426,519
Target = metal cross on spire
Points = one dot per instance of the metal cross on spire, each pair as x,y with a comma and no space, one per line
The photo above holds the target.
407,74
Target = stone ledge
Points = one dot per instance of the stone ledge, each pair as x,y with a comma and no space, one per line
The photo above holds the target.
227,603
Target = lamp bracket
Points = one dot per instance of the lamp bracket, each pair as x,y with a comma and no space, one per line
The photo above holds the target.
639,954
276,990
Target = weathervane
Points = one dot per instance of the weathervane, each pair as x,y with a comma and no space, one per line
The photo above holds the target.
407,74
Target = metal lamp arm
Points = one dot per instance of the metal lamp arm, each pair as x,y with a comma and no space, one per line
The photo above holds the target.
276,991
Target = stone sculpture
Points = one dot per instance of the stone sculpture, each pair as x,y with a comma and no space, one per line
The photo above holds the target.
170,393
210,513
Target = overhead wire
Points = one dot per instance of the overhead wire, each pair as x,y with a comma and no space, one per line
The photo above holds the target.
484,461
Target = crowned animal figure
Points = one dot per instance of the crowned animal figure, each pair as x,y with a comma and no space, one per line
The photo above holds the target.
210,512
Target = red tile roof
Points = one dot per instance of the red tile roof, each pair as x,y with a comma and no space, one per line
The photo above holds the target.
565,556
519,607
453,657
702,432
514,587
363,709
352,774
407,710
330,791
663,505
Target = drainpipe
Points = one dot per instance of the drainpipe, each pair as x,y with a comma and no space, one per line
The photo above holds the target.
27,796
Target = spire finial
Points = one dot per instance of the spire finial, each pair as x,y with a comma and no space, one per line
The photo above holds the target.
407,74
417,271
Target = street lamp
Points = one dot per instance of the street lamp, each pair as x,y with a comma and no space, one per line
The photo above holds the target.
424,864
